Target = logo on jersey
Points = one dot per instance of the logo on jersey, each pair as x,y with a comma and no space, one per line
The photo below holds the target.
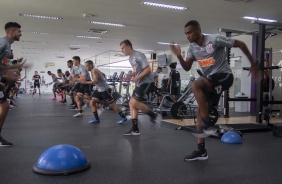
1,94
5,61
218,89
206,62
209,48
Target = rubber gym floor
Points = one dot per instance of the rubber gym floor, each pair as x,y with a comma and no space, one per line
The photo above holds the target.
156,156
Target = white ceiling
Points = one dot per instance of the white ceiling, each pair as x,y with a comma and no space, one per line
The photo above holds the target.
145,26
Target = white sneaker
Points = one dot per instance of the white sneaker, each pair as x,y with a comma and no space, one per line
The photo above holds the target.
78,115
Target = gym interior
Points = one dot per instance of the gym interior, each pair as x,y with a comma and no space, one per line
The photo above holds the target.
253,109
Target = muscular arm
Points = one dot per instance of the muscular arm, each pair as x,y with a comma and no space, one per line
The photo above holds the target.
186,65
95,75
145,72
245,50
168,82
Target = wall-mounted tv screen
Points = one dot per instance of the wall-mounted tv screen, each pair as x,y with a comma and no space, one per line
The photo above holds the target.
162,60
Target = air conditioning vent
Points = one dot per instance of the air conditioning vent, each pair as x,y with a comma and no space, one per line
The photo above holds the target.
97,31
73,48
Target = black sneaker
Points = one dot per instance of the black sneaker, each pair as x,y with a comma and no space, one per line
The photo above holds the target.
196,155
132,132
12,103
3,142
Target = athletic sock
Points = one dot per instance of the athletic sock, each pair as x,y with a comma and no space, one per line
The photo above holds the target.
152,114
96,115
201,147
121,114
80,111
134,124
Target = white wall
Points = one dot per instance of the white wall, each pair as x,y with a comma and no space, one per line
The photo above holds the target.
41,67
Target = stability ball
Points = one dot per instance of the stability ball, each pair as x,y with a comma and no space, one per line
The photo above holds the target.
61,159
231,138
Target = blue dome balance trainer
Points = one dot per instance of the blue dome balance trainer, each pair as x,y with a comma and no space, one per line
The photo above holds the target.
231,138
61,159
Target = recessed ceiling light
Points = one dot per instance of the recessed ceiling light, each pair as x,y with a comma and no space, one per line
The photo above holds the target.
40,16
25,48
97,31
145,50
36,32
35,42
86,15
31,53
260,19
94,37
73,48
78,45
164,6
107,23
166,43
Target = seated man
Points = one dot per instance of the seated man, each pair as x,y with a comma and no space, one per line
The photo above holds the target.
102,92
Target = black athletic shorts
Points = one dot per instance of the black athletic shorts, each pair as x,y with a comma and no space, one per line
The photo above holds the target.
3,97
85,89
67,88
158,90
106,95
140,91
55,86
220,82
174,90
36,84
76,87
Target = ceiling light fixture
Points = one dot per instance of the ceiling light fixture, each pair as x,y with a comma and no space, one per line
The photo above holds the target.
77,45
35,42
73,48
165,43
40,16
94,37
164,6
97,31
31,48
107,24
36,32
144,50
260,19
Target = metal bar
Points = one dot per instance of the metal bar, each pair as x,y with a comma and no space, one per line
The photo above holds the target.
259,92
226,92
240,32
276,24
241,99
272,102
270,76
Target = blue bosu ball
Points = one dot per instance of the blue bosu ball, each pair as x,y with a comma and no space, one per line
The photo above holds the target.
231,138
61,159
